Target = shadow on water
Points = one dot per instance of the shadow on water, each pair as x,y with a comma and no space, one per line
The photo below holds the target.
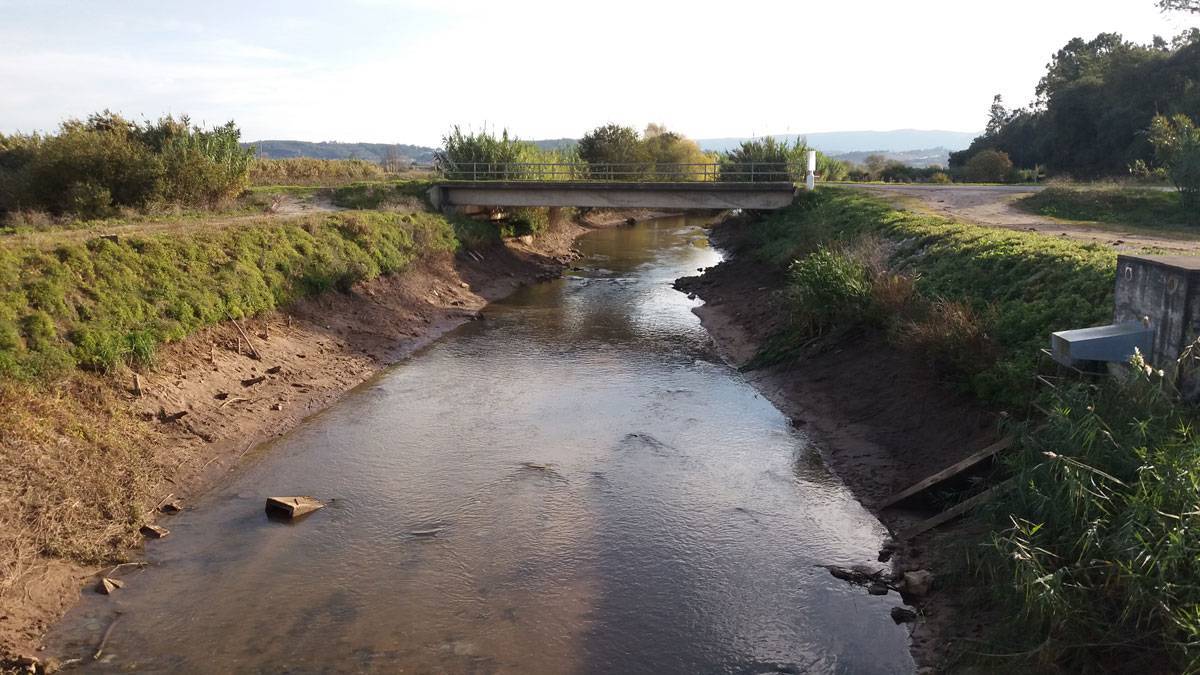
577,484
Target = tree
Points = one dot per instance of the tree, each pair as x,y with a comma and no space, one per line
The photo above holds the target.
611,144
989,166
1180,6
875,164
1094,104
1176,143
997,117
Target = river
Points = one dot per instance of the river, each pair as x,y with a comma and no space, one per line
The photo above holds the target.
608,496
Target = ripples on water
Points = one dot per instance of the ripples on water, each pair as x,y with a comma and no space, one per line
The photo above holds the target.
607,497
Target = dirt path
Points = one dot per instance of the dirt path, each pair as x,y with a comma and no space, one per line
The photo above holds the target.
994,206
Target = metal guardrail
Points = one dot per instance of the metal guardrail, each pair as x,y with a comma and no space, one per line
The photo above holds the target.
631,172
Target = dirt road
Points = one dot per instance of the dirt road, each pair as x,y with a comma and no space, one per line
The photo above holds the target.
994,206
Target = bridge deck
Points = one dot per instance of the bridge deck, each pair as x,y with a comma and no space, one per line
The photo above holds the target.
650,194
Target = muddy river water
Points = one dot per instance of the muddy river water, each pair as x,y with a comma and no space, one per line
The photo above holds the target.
605,495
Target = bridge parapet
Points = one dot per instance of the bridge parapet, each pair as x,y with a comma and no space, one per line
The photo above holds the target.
614,194
624,172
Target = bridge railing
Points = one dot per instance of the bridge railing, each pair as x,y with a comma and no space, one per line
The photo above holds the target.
628,172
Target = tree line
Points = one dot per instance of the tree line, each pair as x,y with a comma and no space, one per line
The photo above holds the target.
1105,107
613,151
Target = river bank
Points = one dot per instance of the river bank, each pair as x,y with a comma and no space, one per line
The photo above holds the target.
171,432
881,416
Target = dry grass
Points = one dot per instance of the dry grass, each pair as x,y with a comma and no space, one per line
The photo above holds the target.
28,220
951,334
78,473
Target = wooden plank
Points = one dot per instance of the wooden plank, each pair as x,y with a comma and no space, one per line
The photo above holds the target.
293,507
953,470
954,511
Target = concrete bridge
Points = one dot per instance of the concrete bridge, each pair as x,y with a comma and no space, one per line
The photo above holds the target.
651,186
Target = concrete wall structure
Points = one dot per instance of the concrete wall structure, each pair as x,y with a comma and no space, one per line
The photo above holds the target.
1165,291
694,195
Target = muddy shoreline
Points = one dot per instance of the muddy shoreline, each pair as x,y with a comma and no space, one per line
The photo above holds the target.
881,418
229,388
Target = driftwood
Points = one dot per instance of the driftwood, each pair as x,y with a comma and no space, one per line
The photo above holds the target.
104,640
955,511
253,351
949,472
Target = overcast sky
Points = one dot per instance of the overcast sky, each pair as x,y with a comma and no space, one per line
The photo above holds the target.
405,70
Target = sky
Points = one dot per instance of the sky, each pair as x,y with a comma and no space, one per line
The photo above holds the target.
404,71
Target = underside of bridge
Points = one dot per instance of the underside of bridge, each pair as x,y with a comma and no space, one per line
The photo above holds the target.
693,195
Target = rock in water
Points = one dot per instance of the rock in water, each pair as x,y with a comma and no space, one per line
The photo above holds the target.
902,615
107,586
152,531
917,583
292,507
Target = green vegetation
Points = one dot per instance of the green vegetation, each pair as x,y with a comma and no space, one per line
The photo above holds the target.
100,303
485,156
656,153
307,171
1001,292
92,167
1095,105
381,195
1096,553
1120,206
1176,142
988,166
772,159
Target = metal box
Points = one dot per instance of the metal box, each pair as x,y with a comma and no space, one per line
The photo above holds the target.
1102,344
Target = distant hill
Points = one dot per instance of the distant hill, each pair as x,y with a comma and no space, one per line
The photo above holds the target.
372,152
556,143
836,142
917,158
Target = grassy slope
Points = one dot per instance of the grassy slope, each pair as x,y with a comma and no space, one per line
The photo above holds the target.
100,303
1021,285
1131,207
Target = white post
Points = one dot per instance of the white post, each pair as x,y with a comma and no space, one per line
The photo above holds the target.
810,180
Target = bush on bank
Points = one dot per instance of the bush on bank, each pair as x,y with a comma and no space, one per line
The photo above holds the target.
101,303
982,300
92,167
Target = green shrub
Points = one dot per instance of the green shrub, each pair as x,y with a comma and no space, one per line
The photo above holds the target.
91,166
1020,286
484,156
1176,143
830,288
989,166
